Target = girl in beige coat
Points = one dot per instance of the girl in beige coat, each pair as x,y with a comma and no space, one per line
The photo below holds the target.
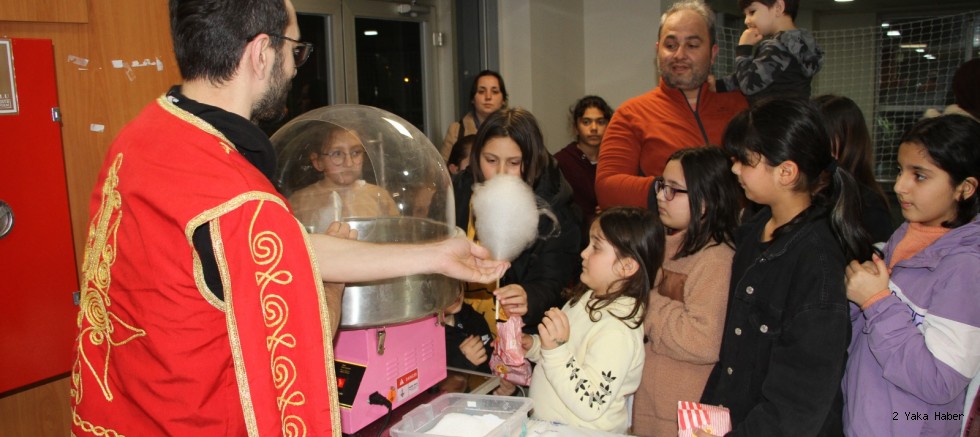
698,199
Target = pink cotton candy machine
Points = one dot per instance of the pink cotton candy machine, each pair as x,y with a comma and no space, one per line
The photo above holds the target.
376,172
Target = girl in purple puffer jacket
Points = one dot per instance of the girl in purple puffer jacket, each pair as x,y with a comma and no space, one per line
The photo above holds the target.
916,314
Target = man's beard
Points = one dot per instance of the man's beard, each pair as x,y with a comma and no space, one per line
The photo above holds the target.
272,106
695,76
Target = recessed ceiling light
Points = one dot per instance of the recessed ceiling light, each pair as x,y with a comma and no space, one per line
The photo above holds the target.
894,33
370,32
885,24
843,1
929,57
920,50
913,46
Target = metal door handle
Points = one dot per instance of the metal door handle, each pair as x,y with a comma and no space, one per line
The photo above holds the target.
6,219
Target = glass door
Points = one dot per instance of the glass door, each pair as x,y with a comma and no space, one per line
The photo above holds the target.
369,52
390,63
319,82
389,67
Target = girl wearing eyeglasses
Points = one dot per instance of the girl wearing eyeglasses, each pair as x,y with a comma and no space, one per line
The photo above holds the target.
698,199
339,159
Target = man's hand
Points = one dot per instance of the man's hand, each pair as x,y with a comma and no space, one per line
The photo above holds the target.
345,260
464,260
472,348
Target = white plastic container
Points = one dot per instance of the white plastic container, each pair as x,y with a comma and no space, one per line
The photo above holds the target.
513,411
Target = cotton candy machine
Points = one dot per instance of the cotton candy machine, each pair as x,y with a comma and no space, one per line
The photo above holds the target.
401,299
376,172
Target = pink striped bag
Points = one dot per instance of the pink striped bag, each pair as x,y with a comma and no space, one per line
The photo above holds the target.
507,360
692,416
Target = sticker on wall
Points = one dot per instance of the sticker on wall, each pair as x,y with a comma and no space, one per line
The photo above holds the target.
8,87
79,61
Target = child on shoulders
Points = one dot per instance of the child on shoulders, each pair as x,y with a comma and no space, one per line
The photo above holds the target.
773,58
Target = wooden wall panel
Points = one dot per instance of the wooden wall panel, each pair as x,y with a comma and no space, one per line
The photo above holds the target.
56,11
92,94
98,93
40,411
134,39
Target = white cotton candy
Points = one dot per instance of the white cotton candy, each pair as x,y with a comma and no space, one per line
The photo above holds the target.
506,216
465,425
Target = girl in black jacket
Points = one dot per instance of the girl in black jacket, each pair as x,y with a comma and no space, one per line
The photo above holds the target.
510,142
784,345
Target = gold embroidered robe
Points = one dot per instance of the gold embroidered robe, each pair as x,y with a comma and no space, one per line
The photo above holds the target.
157,353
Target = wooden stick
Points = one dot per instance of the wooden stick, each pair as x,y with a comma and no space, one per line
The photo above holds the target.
496,308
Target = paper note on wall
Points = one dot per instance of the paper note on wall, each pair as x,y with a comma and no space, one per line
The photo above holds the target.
8,88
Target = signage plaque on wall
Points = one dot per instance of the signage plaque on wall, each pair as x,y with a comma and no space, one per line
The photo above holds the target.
8,87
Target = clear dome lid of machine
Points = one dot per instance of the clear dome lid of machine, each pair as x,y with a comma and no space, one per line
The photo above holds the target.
376,172
354,162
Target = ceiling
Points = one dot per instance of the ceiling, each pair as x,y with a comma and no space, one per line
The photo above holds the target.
884,7
889,6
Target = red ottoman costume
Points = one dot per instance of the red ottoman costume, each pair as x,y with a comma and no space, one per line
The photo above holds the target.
157,352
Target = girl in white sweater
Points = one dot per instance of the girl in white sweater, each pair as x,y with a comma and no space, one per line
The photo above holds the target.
589,354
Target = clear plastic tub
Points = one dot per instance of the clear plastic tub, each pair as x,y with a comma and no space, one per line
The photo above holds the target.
513,411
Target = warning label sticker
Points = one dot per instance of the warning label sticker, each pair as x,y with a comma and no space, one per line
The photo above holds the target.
408,385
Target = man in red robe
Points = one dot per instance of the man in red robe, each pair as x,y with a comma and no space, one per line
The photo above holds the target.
203,309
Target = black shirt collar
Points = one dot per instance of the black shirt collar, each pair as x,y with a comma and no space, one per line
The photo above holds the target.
250,141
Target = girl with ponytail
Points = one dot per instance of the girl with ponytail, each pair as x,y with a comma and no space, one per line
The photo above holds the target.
784,344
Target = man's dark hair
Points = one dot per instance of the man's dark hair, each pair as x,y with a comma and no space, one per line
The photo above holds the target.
209,36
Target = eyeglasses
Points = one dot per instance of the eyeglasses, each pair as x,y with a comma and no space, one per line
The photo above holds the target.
301,52
669,191
337,157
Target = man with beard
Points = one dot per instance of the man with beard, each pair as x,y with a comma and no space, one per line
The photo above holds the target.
203,306
680,112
